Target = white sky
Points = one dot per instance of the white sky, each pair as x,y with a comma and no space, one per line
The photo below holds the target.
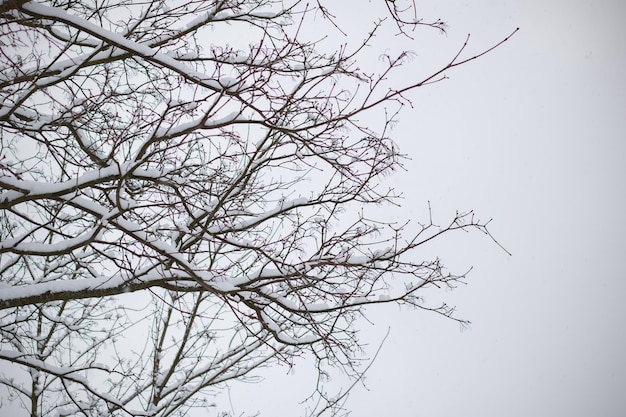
533,136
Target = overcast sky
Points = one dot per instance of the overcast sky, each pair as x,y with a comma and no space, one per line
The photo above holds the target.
533,136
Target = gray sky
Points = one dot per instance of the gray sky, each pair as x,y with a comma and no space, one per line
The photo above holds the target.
533,136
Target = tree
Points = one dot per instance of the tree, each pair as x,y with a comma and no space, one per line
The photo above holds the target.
186,198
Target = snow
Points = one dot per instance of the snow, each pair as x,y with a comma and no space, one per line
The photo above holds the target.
68,373
34,189
266,15
69,286
17,245
228,82
121,42
318,307
228,119
282,336
23,111
259,218
359,300
197,21
172,131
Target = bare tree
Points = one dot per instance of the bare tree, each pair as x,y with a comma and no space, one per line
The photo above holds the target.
180,209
